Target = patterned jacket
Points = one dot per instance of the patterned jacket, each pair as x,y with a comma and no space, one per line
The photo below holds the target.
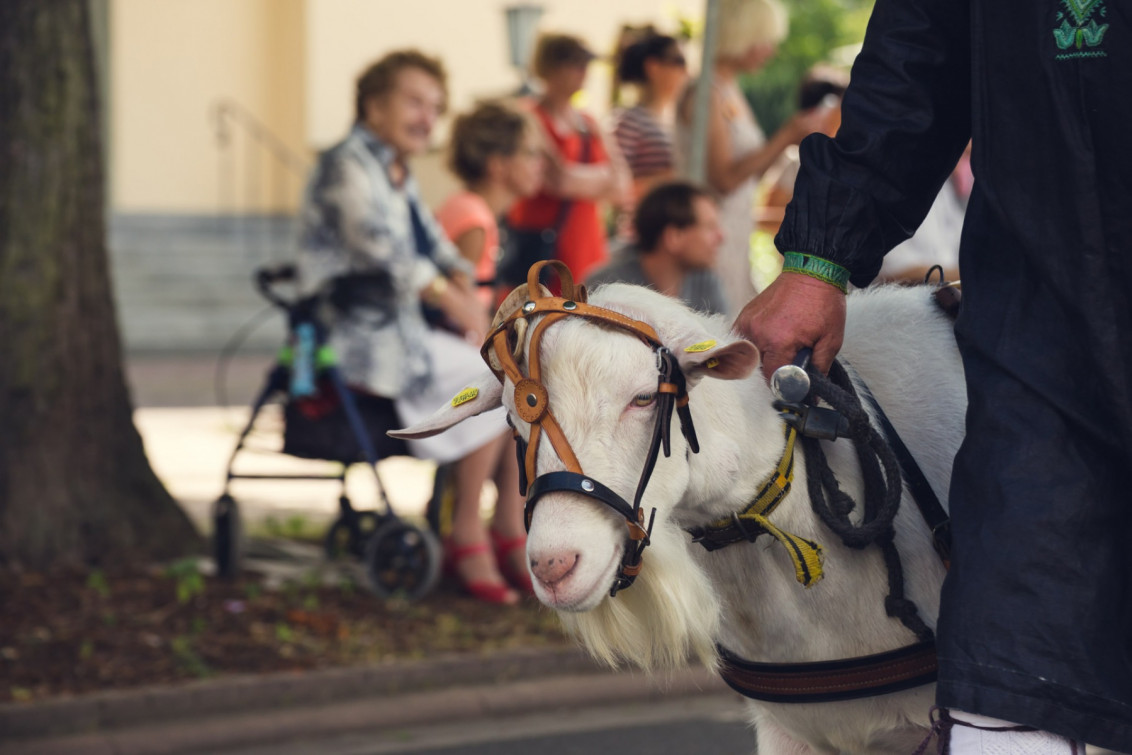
355,221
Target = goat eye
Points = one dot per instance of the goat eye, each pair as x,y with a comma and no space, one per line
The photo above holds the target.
644,399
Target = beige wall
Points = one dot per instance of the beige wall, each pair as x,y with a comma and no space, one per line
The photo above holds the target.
171,63
292,65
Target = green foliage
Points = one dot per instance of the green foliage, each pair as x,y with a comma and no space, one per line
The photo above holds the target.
188,579
187,658
819,29
294,527
96,581
284,633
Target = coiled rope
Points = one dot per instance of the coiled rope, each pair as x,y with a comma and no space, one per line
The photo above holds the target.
883,489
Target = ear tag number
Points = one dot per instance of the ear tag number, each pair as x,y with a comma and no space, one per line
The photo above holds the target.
465,396
698,347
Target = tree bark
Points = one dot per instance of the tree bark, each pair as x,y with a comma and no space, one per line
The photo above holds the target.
75,485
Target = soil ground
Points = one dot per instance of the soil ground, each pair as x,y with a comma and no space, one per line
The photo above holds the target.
68,633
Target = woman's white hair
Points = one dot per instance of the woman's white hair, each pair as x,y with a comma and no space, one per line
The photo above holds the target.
744,23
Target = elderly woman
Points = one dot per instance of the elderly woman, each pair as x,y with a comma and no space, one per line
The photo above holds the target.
364,225
738,152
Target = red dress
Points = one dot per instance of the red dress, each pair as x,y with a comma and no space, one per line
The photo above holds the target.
581,242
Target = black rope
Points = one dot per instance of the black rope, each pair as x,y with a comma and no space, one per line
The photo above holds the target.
883,490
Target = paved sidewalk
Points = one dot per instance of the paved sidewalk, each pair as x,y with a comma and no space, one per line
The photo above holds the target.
259,710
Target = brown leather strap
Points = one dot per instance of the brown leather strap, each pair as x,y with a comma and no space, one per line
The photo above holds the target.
565,277
498,342
556,304
827,681
560,444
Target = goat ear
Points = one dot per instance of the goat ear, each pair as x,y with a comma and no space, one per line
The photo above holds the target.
483,394
732,359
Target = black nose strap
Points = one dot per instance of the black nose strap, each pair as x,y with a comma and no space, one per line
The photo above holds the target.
572,482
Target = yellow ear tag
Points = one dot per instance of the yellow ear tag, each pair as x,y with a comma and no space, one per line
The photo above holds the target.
711,363
465,396
698,347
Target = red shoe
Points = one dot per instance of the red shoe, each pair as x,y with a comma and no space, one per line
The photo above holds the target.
489,592
505,551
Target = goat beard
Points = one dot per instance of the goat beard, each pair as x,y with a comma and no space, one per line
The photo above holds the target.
667,617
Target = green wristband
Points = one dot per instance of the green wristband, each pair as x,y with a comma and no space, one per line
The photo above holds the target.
816,267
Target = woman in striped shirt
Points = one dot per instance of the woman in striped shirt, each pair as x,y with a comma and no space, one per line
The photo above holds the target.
656,65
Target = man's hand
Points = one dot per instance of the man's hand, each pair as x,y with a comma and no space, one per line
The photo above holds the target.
795,311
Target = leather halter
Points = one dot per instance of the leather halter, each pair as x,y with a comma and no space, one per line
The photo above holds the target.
532,404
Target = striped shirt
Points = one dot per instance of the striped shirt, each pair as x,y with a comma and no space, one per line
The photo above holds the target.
645,143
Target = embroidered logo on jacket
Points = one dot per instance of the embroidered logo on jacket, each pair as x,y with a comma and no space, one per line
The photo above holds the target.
1080,35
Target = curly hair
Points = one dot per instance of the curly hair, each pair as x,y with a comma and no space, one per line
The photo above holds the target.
492,128
379,78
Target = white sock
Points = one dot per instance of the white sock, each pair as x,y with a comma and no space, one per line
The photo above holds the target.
966,740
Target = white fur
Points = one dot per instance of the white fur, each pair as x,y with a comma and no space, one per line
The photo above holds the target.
744,596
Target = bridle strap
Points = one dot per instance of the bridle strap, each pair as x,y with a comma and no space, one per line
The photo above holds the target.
634,516
532,405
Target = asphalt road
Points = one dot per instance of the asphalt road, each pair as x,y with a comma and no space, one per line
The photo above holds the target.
703,725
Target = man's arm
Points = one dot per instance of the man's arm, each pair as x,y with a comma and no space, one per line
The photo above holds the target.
906,118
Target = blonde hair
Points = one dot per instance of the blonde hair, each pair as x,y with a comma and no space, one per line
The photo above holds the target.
743,23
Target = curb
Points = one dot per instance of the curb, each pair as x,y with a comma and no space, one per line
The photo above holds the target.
248,710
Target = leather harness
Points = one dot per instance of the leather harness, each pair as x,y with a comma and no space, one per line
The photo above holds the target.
532,404
823,681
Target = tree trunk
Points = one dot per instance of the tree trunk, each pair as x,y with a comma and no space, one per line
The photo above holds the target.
75,485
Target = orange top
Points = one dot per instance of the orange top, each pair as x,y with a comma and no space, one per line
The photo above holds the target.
462,212
581,241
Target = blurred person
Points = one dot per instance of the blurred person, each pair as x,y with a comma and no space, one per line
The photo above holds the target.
628,35
496,152
583,168
822,87
656,66
738,152
369,241
678,239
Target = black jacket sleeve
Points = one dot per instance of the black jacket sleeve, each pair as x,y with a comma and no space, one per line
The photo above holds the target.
906,118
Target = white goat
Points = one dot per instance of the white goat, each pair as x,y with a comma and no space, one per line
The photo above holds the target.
744,597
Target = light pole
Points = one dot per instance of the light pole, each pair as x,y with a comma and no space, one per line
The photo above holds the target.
522,23
697,160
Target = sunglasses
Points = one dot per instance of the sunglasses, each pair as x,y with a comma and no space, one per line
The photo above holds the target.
674,59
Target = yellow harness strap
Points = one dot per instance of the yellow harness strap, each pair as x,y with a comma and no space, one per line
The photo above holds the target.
806,554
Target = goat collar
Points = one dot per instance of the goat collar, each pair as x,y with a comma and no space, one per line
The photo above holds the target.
830,681
532,403
748,524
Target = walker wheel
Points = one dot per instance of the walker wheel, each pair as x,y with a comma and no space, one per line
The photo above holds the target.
344,540
226,536
402,561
